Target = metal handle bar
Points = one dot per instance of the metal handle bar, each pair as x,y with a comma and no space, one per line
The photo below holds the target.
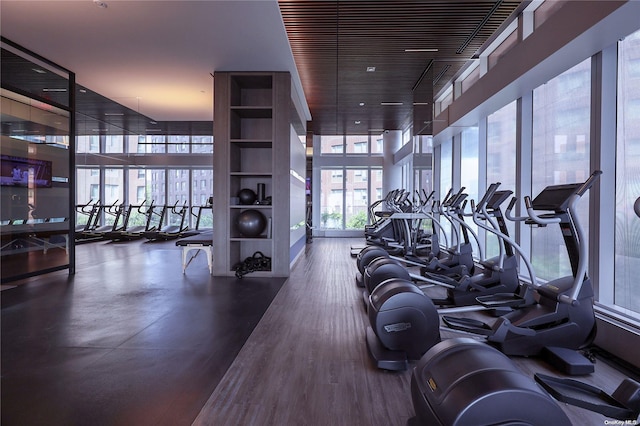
535,217
487,196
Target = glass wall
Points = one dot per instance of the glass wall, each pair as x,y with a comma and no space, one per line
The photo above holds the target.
560,154
356,198
37,143
187,189
627,223
346,194
332,200
469,172
555,124
351,144
501,160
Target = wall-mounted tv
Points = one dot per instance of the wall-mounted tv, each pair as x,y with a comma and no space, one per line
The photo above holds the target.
26,172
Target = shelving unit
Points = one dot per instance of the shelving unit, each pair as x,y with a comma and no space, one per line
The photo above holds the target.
251,133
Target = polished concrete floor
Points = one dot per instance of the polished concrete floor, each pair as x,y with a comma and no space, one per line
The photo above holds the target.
128,340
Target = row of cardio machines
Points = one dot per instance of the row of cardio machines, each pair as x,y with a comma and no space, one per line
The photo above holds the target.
132,222
471,380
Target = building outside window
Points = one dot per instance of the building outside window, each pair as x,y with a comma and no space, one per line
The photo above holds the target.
501,160
627,224
560,154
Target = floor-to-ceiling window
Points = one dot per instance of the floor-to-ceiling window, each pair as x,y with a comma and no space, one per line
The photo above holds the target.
350,180
446,180
560,154
151,190
627,224
501,160
565,119
469,174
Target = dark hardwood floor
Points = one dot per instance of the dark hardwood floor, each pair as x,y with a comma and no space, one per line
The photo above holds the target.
130,340
306,362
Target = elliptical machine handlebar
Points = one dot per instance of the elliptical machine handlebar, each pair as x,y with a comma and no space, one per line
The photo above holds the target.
540,220
510,207
588,183
487,196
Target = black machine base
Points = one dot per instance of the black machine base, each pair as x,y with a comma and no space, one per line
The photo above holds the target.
567,361
384,358
624,404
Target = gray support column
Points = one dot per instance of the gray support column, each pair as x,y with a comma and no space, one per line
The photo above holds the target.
392,173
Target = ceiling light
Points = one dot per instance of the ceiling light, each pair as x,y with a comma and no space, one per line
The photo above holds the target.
420,50
53,90
361,104
153,122
421,103
113,113
371,69
390,103
357,121
39,71
83,91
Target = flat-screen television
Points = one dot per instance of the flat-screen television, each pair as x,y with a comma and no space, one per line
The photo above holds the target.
27,172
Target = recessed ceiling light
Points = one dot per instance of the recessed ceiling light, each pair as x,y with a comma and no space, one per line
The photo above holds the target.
39,71
421,103
390,103
361,104
153,122
83,91
113,113
53,90
420,50
371,69
357,122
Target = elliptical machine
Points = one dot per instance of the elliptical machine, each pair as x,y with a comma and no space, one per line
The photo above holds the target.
562,313
401,321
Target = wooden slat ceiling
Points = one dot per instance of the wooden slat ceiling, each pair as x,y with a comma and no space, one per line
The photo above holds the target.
333,43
